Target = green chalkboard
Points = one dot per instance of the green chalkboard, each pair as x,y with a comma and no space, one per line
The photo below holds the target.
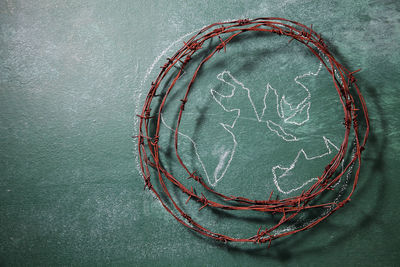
262,116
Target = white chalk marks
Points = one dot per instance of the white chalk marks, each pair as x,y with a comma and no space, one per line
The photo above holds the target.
289,114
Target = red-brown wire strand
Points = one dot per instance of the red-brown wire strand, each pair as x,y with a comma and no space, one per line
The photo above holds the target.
289,208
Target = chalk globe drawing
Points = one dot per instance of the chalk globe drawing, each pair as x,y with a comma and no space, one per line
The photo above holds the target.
286,114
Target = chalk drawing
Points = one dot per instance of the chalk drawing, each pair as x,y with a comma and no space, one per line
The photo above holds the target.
272,126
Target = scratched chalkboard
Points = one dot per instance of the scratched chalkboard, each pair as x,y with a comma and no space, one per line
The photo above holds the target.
262,116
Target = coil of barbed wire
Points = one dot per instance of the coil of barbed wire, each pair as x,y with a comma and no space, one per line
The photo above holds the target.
351,100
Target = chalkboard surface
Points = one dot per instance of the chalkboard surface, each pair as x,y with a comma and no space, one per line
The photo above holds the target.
74,75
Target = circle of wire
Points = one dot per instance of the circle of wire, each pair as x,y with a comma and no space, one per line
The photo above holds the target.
289,208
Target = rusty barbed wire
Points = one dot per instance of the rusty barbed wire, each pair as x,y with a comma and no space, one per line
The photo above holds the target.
289,208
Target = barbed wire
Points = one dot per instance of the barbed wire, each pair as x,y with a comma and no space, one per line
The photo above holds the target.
288,208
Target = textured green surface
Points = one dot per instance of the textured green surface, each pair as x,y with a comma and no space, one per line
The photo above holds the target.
71,76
